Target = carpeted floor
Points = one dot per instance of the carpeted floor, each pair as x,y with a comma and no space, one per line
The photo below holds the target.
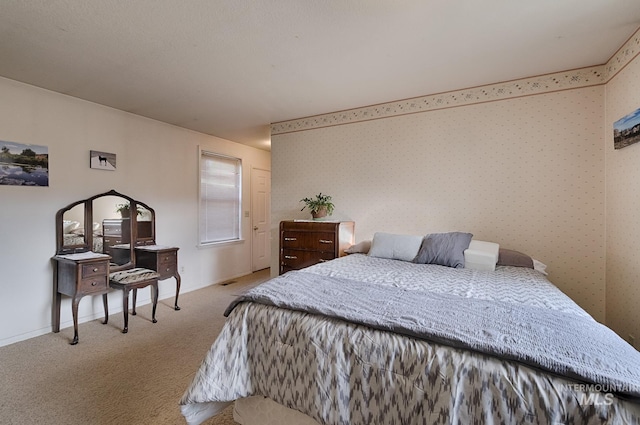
114,378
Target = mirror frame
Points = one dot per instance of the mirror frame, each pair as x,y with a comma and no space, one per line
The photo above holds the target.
62,249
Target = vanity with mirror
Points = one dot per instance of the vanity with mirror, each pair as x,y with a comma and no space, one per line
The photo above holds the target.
104,242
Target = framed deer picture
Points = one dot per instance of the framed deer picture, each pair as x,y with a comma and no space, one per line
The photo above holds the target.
102,160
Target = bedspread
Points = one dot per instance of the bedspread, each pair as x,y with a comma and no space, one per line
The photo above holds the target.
344,373
548,339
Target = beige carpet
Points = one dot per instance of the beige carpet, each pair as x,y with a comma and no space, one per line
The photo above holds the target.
115,378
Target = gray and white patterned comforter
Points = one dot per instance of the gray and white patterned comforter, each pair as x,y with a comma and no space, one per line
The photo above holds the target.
338,372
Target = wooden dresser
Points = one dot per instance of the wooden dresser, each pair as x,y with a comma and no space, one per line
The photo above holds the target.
304,243
116,232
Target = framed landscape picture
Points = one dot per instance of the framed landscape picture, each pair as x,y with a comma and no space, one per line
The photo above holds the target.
626,131
23,165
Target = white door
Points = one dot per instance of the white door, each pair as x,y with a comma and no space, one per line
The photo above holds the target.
260,218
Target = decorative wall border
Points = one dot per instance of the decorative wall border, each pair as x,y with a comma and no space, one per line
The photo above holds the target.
623,56
579,78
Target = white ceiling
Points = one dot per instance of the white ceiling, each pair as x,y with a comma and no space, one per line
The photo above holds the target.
229,68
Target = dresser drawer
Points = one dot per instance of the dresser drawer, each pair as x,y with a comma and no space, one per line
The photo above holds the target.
322,241
93,284
167,270
116,227
297,259
163,261
293,239
95,269
167,258
304,242
313,241
110,241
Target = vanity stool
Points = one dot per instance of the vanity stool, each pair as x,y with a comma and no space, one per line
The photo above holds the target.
136,278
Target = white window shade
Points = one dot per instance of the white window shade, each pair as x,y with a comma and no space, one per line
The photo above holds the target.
220,198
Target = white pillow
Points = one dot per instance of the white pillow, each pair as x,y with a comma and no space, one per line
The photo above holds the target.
538,266
359,248
395,247
68,226
481,255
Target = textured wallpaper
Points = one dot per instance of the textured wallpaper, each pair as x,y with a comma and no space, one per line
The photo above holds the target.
623,206
523,172
521,163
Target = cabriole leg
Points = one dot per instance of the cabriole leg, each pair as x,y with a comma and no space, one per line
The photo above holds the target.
74,310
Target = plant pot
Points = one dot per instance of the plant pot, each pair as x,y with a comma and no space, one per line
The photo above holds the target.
125,213
322,212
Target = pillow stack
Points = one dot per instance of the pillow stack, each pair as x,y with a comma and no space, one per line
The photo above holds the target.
445,249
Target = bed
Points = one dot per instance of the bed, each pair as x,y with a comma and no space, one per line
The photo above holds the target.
381,339
73,235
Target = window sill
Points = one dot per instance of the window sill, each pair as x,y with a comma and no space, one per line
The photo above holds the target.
221,243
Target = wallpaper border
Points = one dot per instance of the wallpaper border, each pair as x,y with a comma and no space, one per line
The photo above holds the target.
623,56
572,79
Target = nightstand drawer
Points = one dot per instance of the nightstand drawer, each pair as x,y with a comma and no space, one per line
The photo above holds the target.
95,269
95,284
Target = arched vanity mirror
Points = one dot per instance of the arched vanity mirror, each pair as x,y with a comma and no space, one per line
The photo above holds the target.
109,223
145,225
70,225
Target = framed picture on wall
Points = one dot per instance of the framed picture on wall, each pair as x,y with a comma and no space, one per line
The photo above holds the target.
23,165
626,131
102,160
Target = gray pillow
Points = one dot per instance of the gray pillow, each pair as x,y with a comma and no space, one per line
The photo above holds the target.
395,247
509,257
445,249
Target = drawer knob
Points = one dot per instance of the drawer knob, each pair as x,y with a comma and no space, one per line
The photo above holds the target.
325,241
95,269
290,257
290,239
94,283
168,269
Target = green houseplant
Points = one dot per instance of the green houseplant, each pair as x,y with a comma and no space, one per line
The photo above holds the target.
320,206
125,210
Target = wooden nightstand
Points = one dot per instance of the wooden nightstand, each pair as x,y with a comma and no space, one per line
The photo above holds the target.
77,275
305,243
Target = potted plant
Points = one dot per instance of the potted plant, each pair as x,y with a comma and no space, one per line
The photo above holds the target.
125,210
320,206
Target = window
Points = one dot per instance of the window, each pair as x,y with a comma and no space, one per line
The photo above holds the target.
220,198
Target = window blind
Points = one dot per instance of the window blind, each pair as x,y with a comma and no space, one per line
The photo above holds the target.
220,198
